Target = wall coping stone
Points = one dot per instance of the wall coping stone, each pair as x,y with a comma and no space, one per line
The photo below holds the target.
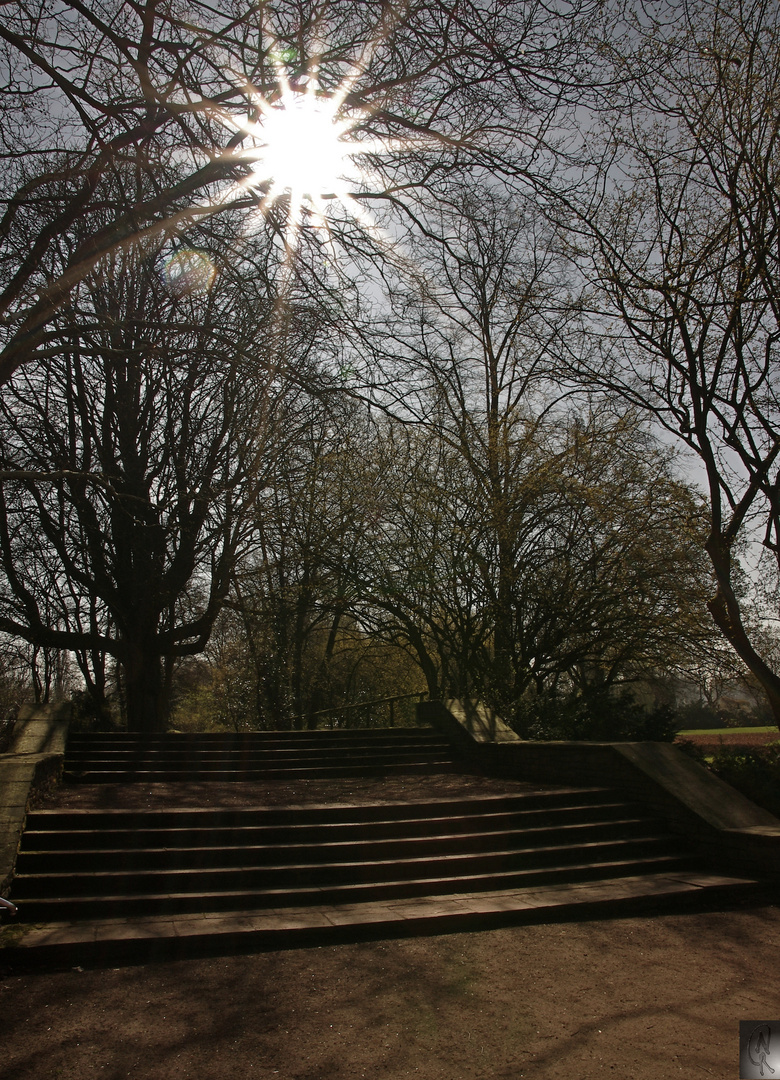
475,721
34,760
711,798
39,735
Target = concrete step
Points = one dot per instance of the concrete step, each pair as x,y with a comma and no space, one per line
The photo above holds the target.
83,863
217,757
438,845
317,736
326,814
177,749
96,759
86,832
433,882
245,851
163,870
258,759
137,938
261,740
254,772
349,866
304,743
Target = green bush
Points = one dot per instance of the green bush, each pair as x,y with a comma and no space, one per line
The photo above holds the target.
754,771
88,716
695,716
597,717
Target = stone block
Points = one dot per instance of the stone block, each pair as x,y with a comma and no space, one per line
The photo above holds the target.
39,735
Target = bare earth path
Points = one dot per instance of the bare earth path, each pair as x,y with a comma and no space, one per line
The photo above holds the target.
639,999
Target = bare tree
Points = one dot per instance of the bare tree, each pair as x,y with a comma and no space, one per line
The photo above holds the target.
679,235
295,592
603,549
519,521
131,457
88,92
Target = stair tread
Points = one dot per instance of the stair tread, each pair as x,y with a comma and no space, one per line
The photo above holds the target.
212,738
290,844
432,884
175,831
266,735
283,771
281,754
318,810
108,875
425,912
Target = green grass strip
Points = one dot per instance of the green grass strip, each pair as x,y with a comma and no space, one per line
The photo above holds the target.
730,731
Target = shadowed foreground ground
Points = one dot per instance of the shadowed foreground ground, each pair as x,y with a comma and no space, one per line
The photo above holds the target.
639,999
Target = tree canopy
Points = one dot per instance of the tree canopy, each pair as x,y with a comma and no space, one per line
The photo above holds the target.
429,406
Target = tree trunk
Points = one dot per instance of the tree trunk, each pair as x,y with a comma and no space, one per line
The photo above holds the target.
146,700
725,611
429,668
503,677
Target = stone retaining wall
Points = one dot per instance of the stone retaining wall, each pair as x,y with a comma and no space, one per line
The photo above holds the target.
33,763
728,828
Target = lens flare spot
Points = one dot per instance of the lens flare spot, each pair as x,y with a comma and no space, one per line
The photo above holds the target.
188,272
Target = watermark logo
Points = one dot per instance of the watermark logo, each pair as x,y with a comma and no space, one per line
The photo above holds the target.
759,1049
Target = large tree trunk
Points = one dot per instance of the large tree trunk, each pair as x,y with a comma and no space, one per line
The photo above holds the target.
726,613
145,695
504,680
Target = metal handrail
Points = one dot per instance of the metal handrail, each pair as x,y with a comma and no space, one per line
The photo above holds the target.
8,906
364,704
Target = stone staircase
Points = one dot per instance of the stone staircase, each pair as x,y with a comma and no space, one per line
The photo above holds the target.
86,864
257,755
138,884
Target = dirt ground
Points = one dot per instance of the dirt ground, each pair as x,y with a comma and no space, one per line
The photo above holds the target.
637,998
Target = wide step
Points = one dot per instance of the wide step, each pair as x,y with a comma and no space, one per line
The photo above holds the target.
147,936
255,756
82,864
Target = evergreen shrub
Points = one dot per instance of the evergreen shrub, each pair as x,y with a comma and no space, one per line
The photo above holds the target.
754,771
602,716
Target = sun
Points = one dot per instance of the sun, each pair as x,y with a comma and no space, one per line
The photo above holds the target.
304,149
311,152
301,150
